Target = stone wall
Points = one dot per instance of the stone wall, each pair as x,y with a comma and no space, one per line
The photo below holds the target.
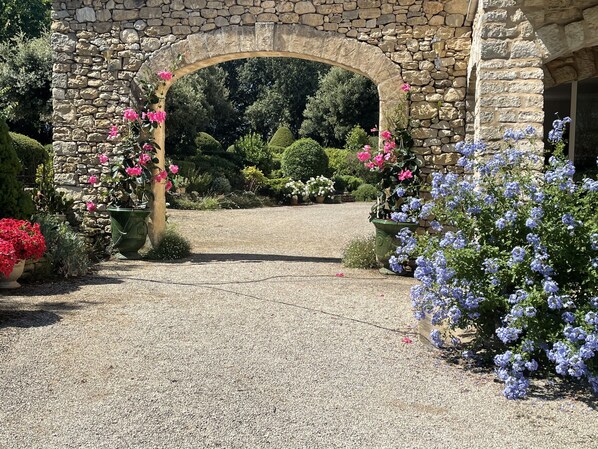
100,46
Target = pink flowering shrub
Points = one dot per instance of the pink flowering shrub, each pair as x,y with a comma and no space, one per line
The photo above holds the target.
133,168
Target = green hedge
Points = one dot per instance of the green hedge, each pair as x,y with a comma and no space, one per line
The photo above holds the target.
283,137
14,202
31,153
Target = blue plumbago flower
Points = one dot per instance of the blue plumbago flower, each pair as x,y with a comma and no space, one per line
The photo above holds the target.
538,265
511,189
510,216
503,360
574,334
594,241
400,217
489,200
594,302
436,226
569,221
530,131
460,240
530,312
517,255
508,334
528,346
591,318
426,211
550,286
491,266
395,265
400,192
590,185
518,296
474,210
454,314
415,204
555,302
468,354
517,311
532,365
568,317
436,338
501,223
538,197
534,239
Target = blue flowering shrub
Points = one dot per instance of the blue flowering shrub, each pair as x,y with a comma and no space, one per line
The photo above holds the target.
515,258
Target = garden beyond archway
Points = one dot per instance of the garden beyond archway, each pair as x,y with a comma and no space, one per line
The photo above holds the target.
267,40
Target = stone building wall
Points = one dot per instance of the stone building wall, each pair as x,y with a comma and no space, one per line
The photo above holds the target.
100,46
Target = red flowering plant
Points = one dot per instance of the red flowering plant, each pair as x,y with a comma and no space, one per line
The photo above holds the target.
133,167
25,239
398,166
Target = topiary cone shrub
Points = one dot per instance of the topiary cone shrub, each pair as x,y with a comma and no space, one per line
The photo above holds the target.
304,159
31,153
14,202
283,137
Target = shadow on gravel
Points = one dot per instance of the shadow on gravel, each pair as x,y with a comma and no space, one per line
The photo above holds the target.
27,318
240,257
60,287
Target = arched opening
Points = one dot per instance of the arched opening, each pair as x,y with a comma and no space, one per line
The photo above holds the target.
269,40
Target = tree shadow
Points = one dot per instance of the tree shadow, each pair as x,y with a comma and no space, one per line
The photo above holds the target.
60,286
27,318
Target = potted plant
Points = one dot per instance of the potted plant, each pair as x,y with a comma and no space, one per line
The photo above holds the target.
319,188
19,241
296,191
398,203
132,171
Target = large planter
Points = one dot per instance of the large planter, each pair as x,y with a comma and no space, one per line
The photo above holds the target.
320,199
129,231
386,242
11,280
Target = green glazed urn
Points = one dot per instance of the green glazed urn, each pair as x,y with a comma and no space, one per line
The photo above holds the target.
386,242
129,231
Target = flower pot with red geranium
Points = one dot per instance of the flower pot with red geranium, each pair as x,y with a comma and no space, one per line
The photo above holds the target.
19,241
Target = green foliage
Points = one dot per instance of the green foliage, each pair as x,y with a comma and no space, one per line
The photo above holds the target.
198,102
66,250
343,99
206,144
366,192
276,188
244,200
173,246
283,137
357,139
304,159
254,151
186,203
30,17
31,153
276,150
351,182
199,182
223,164
254,178
14,202
186,168
360,253
221,185
25,80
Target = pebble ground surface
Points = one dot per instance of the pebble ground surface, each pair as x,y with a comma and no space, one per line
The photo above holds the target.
260,340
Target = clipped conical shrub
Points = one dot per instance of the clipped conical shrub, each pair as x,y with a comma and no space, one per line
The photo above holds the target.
283,137
14,202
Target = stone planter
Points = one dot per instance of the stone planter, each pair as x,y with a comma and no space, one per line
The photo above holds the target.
386,242
294,200
129,231
11,281
320,199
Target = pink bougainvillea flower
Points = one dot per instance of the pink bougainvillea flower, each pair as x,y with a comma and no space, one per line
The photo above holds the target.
168,185
405,87
389,146
340,275
103,158
156,116
379,160
406,340
386,135
113,134
367,148
165,75
161,176
405,174
374,129
130,115
363,156
144,158
91,207
147,147
174,169
93,179
134,171
370,165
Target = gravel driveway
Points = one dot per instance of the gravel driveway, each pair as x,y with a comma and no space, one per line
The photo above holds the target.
254,342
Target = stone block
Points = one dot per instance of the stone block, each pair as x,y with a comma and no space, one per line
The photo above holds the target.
312,19
86,14
305,8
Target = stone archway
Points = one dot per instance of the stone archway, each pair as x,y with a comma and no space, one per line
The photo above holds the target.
268,40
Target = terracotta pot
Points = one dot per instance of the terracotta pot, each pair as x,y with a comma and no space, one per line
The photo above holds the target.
320,199
294,200
11,280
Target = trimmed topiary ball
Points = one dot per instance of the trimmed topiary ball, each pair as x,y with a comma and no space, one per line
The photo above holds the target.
206,144
366,192
173,246
304,159
283,137
31,153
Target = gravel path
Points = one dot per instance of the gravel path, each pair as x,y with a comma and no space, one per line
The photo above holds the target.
254,342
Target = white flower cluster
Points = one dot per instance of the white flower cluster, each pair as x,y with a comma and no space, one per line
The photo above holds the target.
319,186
